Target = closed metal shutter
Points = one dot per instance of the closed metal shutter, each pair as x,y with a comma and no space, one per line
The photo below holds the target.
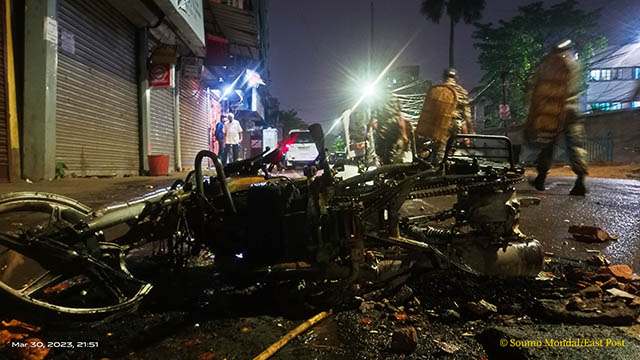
97,102
161,132
4,132
194,121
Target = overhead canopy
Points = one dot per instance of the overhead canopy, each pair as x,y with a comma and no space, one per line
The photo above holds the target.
238,26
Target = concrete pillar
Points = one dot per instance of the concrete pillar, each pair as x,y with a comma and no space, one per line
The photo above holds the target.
40,72
144,95
176,119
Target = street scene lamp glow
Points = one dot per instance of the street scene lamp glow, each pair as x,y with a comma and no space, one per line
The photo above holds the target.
369,90
227,91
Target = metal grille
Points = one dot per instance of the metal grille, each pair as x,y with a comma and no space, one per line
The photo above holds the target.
194,121
600,148
97,100
4,133
161,132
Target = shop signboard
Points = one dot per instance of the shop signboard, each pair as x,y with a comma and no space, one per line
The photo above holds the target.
160,75
192,67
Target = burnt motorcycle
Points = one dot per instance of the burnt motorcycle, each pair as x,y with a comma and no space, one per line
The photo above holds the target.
59,256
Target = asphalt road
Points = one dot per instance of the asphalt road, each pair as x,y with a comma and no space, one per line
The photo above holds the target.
612,204
188,318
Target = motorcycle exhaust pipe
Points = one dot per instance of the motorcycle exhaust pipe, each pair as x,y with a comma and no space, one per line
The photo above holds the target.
524,258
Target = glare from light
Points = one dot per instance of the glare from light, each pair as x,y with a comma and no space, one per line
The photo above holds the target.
385,70
369,90
229,88
335,123
371,87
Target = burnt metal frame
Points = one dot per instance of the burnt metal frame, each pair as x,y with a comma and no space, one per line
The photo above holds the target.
151,207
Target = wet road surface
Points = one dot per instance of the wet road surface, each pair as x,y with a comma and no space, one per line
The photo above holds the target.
184,319
612,204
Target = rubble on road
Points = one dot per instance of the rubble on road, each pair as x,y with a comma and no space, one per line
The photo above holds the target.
480,309
404,340
621,272
609,297
590,233
598,260
15,331
377,325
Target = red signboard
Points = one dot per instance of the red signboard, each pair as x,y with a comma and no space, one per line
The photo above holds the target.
160,75
505,113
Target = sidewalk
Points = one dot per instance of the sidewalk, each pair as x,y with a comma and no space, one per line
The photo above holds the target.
615,171
96,192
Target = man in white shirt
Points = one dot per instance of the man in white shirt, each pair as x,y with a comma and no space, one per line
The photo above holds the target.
232,139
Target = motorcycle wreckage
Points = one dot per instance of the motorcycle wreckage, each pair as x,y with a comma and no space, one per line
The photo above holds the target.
359,232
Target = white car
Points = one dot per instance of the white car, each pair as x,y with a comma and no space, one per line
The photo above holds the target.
299,149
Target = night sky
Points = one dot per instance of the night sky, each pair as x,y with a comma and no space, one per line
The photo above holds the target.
319,49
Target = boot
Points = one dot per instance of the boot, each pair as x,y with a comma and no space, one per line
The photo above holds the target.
579,189
538,183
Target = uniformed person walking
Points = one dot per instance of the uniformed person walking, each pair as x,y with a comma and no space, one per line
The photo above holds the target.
553,110
445,113
392,132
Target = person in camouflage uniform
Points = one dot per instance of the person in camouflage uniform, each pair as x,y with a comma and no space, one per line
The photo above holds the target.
461,122
392,131
572,126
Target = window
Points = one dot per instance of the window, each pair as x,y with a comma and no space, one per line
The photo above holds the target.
616,74
636,73
616,106
594,75
604,106
635,104
605,75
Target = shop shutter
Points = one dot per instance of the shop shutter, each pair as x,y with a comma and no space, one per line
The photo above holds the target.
194,121
97,99
161,132
4,121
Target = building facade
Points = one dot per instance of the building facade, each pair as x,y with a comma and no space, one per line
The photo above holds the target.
613,80
89,96
236,64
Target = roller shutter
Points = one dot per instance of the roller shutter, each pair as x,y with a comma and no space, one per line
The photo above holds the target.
97,100
194,121
4,121
161,132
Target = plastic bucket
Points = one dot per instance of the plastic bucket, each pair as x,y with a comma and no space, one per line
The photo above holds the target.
158,165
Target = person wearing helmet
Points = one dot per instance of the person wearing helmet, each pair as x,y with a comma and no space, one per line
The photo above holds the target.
553,110
445,113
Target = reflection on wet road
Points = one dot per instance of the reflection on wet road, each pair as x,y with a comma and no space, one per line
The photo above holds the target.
612,204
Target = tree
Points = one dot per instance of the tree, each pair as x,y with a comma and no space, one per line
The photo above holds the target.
467,10
512,49
290,120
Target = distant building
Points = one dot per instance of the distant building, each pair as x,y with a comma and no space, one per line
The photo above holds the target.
613,79
236,62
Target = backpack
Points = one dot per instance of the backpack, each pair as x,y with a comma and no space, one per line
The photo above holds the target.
219,133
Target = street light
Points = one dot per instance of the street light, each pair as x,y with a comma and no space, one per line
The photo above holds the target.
227,91
370,90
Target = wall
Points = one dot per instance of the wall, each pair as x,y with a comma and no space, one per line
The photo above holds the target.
624,126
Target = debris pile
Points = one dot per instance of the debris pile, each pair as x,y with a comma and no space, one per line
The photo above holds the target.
17,337
404,340
610,295
591,234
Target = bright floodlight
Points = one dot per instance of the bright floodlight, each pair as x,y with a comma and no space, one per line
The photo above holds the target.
369,90
227,91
